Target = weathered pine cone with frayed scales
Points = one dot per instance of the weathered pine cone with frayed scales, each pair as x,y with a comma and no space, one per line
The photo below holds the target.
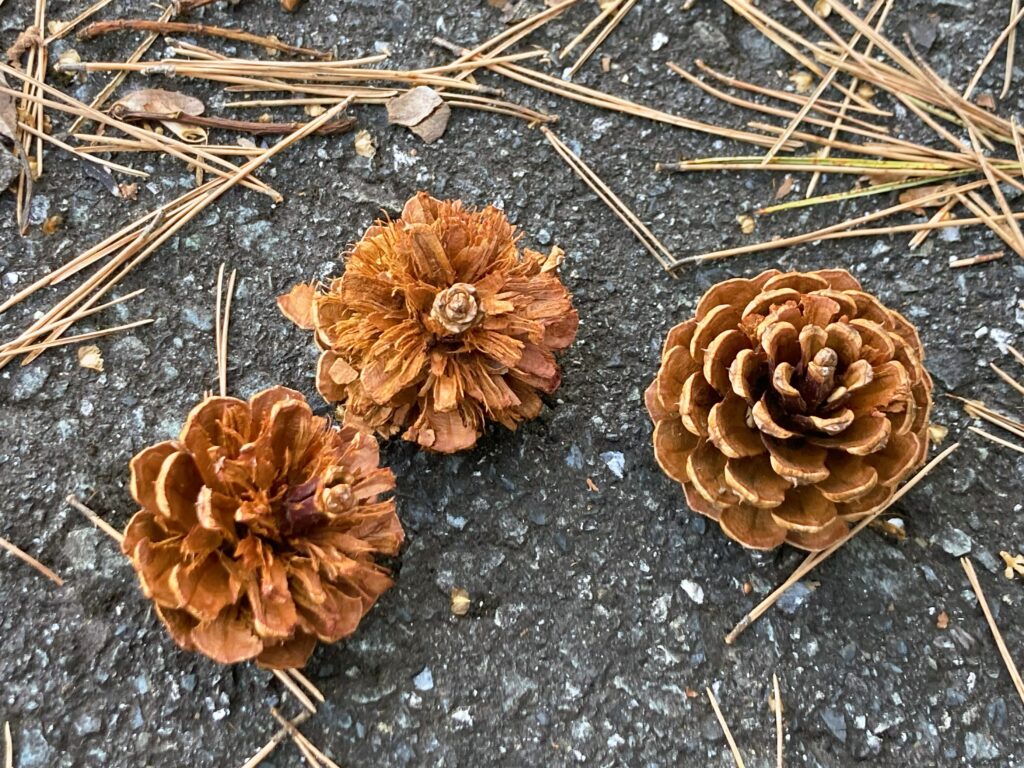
439,325
790,406
260,529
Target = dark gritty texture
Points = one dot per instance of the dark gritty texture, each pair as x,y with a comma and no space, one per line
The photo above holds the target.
594,612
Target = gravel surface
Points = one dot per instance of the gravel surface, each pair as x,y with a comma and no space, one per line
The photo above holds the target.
597,614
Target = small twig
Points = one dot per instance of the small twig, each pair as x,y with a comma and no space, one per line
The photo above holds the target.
77,153
612,8
112,85
275,740
307,684
619,208
67,27
254,127
42,345
218,329
778,721
1017,355
1011,44
8,746
73,318
27,558
295,691
1007,378
996,439
620,14
979,259
823,85
187,28
1000,644
303,742
814,559
1014,21
95,519
736,756
223,321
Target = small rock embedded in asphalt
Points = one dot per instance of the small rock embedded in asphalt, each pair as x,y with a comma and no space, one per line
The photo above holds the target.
835,722
88,724
659,611
955,542
34,752
615,462
978,746
462,718
28,381
794,598
574,458
693,590
424,681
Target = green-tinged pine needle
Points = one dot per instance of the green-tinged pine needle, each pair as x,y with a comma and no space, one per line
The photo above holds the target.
813,163
850,194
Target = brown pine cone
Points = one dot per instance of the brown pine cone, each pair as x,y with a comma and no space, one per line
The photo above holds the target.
789,406
259,529
438,326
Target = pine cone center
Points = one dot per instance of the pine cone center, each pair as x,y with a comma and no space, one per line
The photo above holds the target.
455,309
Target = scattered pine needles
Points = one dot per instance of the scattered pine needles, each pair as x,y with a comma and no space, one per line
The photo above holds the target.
27,558
1011,667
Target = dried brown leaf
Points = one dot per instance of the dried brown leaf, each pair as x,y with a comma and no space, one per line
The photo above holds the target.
162,102
421,110
802,81
52,224
460,601
413,106
917,193
866,92
364,144
433,128
128,191
1014,564
785,187
297,305
91,358
937,433
986,101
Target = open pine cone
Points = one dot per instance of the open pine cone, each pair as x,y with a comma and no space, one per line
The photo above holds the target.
439,325
789,406
259,529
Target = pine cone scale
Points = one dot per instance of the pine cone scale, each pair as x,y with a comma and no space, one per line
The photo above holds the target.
790,404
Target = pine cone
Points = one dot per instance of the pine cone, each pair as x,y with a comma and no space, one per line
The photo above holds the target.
439,325
259,529
789,406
